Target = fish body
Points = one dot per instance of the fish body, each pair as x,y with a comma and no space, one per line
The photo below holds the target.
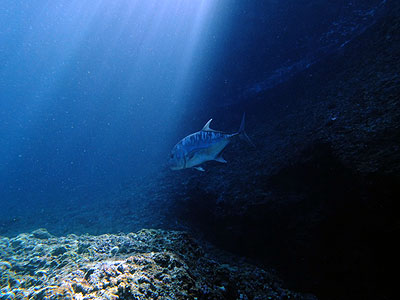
199,147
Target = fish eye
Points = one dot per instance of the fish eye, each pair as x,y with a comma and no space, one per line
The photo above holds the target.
171,155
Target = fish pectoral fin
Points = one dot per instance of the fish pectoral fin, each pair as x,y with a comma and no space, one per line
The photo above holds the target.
220,159
191,155
199,169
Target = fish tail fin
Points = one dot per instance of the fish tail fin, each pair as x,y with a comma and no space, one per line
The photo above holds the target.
242,134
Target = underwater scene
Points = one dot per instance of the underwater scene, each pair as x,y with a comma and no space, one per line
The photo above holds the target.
199,149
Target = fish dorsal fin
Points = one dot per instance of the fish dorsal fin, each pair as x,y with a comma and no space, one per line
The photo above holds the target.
207,126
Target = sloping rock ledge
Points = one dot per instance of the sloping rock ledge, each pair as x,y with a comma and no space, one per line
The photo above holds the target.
149,264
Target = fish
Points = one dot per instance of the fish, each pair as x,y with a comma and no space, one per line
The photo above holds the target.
202,146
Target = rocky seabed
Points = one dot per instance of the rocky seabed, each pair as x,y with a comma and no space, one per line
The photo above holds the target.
148,264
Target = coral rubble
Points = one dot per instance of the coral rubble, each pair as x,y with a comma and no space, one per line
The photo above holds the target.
149,264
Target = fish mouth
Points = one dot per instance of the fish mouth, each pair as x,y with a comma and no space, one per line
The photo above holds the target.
174,167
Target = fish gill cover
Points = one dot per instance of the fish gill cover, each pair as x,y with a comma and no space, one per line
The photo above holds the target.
95,94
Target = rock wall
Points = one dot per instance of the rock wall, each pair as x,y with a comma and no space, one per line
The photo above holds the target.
319,194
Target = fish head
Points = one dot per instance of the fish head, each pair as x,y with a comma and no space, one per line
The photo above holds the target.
176,159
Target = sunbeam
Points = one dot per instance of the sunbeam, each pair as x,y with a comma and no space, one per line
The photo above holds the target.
100,79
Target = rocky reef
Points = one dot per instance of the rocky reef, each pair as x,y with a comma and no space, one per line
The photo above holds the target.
148,264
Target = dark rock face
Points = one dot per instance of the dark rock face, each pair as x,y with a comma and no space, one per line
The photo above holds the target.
319,195
272,41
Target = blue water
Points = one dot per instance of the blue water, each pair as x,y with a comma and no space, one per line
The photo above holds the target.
92,91
94,94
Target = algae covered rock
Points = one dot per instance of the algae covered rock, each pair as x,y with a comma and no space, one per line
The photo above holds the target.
59,250
149,264
41,233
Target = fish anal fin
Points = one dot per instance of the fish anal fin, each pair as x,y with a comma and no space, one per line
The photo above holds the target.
199,169
220,159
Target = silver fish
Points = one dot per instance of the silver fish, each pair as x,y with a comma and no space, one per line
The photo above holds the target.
204,145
